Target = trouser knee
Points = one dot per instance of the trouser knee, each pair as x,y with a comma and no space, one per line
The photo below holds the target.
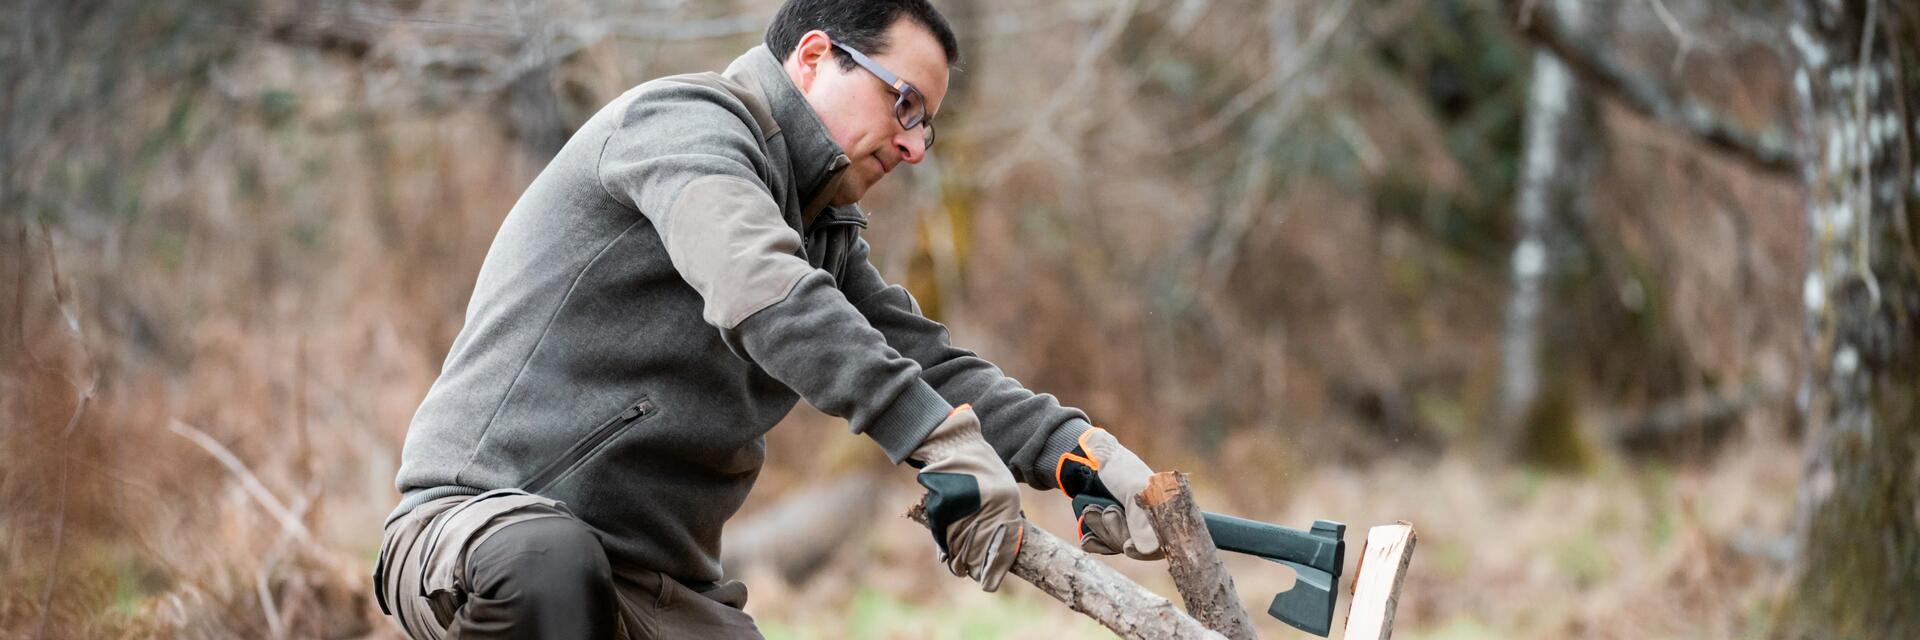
547,575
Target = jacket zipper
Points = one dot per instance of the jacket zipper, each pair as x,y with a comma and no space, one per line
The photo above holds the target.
578,452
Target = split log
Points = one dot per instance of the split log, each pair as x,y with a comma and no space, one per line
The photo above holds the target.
1376,591
1090,587
1192,559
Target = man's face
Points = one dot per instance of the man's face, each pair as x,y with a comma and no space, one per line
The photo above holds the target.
857,106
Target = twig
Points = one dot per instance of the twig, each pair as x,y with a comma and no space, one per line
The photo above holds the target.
360,34
70,321
653,29
1072,91
1089,586
1231,232
1767,152
327,27
263,588
1279,78
72,318
263,577
289,521
1679,32
53,568
1863,145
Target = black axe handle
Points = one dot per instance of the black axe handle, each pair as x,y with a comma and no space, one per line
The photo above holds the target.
1320,548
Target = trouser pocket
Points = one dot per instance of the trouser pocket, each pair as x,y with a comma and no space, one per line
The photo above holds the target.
443,558
396,576
421,577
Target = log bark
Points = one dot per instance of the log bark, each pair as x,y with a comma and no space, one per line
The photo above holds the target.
1089,586
1192,559
1376,590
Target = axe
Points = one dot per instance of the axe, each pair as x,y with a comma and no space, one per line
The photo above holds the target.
1316,555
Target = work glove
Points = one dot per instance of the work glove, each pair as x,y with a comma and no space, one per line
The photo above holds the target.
1102,468
973,506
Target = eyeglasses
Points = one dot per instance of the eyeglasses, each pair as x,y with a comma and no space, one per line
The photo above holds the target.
910,108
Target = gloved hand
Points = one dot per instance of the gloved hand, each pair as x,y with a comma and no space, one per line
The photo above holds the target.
1103,468
973,506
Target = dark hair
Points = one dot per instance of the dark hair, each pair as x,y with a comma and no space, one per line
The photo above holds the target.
861,24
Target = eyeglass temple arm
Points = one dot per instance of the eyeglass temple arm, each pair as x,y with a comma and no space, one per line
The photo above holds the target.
864,61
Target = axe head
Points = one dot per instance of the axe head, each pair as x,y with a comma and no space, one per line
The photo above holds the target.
1308,606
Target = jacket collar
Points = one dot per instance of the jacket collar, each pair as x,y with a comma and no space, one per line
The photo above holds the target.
815,160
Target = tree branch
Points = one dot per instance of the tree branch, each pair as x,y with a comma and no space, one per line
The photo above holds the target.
332,27
1192,559
1091,587
289,520
1707,416
1767,151
473,50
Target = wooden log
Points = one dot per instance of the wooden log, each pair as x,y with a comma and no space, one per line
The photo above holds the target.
1089,586
1376,590
1192,559
800,534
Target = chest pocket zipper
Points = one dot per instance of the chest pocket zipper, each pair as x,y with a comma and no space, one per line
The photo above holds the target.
576,454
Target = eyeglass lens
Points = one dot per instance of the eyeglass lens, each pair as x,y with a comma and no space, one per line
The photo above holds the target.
911,110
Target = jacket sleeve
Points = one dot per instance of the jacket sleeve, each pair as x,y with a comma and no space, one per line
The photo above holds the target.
687,157
1029,430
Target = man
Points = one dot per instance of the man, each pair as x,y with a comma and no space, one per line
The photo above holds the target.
685,270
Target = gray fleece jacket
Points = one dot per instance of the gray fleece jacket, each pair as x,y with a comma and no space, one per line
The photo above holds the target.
661,295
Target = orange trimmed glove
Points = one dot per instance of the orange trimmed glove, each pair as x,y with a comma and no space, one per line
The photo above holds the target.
1103,468
973,505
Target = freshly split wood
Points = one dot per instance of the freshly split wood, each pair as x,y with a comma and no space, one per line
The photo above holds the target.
1376,591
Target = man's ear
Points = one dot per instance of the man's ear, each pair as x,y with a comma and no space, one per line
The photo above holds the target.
803,63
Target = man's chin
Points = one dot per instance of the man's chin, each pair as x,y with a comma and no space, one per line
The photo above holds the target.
849,195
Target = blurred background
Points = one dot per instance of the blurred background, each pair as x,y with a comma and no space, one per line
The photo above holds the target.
1534,276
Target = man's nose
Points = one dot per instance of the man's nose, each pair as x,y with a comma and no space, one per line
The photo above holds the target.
912,144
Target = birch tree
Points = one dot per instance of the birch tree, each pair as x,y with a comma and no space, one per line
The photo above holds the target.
1560,156
1857,573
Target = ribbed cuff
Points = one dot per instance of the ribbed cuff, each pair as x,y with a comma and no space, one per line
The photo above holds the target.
908,420
1064,439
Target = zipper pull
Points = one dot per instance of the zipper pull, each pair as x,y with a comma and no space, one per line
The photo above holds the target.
645,407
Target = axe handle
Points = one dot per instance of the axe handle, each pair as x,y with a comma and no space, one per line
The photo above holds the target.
1318,549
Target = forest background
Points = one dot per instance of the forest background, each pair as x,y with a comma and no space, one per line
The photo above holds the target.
1614,299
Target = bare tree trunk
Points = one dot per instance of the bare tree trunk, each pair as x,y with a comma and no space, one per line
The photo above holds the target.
1857,572
1560,156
